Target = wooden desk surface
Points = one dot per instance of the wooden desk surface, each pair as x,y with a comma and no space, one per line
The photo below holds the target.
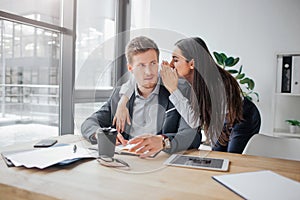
148,179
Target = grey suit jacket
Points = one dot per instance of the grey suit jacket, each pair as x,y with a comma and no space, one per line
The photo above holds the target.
169,122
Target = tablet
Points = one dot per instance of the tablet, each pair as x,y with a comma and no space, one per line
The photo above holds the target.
218,164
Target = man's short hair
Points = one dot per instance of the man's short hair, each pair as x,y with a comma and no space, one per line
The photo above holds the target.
139,45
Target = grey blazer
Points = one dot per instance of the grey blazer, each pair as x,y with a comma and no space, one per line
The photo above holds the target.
169,122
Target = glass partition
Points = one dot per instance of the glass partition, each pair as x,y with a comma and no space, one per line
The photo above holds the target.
96,27
48,11
30,60
30,63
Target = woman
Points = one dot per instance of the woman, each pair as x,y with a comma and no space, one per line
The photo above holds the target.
215,102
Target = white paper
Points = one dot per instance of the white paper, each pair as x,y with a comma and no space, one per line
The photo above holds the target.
120,148
42,158
261,185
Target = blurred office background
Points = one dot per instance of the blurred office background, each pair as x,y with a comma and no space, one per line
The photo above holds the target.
50,52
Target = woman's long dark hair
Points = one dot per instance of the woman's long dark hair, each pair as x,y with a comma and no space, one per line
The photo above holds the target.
218,94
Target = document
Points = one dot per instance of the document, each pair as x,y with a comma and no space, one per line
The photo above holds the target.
120,149
261,185
45,157
124,150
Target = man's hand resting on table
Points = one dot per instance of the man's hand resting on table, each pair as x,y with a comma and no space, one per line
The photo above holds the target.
147,144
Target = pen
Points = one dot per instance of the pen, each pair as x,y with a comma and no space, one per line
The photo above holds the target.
74,148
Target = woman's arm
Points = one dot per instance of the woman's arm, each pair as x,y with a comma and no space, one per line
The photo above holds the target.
122,113
184,108
127,88
182,104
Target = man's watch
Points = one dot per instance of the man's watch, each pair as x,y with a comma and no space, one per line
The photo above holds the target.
166,142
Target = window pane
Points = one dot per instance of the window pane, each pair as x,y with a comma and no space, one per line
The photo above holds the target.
45,10
94,52
140,14
94,46
29,76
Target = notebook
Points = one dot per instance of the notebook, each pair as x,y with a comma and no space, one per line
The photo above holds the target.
261,185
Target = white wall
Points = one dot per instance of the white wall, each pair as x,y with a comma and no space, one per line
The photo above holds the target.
253,30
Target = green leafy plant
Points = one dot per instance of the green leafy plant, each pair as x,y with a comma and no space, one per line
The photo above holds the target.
293,122
229,64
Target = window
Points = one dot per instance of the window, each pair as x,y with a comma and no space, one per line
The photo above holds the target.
30,68
43,11
30,64
95,43
41,64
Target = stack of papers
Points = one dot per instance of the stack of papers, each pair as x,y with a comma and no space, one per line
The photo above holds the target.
261,185
42,158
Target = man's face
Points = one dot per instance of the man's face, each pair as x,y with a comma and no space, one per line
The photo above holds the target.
144,67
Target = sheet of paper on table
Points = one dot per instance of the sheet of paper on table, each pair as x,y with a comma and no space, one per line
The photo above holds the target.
45,157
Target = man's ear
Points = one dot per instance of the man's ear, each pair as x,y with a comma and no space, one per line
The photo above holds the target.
129,67
192,64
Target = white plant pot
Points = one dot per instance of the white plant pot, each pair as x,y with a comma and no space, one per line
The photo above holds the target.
293,129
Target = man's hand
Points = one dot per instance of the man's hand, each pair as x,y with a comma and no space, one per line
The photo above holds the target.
122,115
147,145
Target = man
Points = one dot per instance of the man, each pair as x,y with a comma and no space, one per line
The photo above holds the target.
156,125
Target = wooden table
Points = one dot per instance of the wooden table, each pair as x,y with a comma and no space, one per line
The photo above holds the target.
148,179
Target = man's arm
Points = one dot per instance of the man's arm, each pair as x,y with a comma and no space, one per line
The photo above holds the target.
185,138
95,121
182,139
101,118
178,131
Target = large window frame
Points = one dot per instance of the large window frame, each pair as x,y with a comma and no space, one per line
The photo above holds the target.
67,66
69,96
122,20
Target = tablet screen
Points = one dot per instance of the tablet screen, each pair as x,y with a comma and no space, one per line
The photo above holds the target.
198,162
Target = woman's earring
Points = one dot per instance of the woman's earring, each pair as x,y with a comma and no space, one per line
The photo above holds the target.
192,64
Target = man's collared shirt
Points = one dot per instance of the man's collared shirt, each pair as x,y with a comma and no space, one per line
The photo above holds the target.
144,116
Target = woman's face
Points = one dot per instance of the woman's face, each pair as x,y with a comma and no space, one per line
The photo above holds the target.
179,62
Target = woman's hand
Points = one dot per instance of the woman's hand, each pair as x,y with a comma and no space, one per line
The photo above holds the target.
120,140
147,144
169,77
122,115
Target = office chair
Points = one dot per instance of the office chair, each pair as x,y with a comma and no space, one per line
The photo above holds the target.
274,147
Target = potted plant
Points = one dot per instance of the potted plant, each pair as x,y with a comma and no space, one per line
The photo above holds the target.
229,63
294,124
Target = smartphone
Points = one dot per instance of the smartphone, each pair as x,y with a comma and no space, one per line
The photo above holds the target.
45,143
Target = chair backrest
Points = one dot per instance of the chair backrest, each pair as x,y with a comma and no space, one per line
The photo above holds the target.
274,147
